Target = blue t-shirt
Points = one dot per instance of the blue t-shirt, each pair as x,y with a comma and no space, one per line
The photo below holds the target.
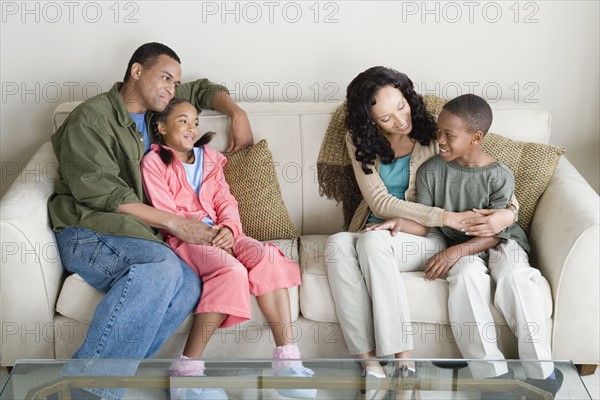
395,177
141,126
193,173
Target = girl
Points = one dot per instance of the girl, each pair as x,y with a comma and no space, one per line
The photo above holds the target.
390,134
185,176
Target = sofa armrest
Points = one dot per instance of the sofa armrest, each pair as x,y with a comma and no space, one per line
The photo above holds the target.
31,273
565,237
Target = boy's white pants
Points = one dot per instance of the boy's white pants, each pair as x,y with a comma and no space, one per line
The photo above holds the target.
517,296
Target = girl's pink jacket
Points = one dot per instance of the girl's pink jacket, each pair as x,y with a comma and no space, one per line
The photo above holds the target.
167,189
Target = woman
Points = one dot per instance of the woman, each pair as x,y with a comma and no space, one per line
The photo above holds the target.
390,134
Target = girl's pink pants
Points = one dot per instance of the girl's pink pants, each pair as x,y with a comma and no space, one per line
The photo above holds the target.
227,281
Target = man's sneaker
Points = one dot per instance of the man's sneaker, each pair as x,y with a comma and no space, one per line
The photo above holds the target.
299,372
550,385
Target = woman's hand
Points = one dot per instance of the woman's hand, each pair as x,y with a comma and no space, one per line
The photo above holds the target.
455,220
224,238
393,225
479,222
488,222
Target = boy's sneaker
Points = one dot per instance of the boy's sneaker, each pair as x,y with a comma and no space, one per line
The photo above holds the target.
551,384
299,372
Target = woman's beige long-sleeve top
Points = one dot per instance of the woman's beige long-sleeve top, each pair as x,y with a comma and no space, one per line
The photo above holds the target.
384,205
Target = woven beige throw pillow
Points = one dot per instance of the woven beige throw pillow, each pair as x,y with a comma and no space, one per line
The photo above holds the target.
252,180
532,165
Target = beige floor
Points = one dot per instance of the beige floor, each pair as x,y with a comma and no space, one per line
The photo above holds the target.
592,382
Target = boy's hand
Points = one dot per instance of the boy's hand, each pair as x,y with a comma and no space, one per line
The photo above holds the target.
393,225
224,238
441,263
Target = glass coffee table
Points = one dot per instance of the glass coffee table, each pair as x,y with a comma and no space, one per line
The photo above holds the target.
252,379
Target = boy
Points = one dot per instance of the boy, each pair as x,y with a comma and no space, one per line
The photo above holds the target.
463,177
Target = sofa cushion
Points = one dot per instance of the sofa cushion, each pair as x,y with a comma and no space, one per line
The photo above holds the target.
532,165
78,300
251,177
428,301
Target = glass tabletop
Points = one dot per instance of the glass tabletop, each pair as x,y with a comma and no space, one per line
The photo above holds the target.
253,379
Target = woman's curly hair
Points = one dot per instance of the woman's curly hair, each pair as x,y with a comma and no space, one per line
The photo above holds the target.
360,98
165,155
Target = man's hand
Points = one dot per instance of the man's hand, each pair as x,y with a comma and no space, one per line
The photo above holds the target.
192,230
240,132
441,263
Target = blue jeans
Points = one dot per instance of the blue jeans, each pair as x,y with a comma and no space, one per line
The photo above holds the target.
149,293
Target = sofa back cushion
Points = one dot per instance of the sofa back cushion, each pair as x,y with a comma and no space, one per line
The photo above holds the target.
294,132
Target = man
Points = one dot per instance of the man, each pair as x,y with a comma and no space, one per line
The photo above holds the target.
103,229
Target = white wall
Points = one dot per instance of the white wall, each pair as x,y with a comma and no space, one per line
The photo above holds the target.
542,52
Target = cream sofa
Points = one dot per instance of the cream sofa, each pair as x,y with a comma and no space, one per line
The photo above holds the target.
44,312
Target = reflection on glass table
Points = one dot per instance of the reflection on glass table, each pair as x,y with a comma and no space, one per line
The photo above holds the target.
252,379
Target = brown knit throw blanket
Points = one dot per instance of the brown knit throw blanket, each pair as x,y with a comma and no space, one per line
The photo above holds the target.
334,167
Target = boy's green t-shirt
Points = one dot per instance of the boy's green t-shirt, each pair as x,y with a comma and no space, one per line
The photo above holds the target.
454,187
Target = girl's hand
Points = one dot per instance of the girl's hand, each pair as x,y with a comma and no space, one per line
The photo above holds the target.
393,225
441,263
224,238
488,222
